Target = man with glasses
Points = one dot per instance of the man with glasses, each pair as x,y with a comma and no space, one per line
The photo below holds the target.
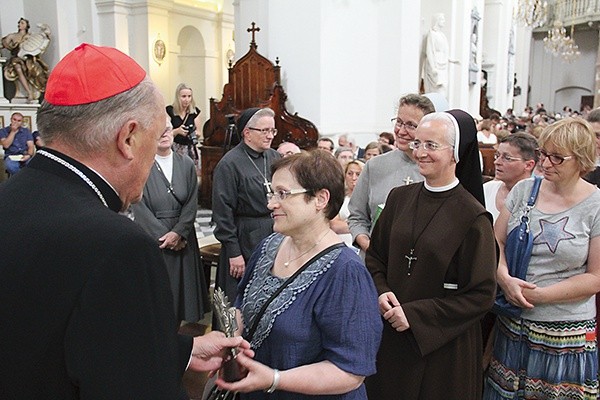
515,160
241,182
381,174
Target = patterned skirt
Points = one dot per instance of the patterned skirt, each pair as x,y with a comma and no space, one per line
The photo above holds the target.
543,360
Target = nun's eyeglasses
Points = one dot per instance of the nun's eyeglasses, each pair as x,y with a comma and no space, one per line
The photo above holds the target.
265,131
427,146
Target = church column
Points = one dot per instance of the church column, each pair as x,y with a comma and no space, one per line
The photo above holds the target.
113,24
522,58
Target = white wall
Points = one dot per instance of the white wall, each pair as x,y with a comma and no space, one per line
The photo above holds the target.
344,64
556,83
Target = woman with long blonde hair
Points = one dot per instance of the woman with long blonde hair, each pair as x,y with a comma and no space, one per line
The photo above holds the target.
185,118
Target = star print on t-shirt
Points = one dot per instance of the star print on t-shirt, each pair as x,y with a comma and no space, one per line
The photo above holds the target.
552,233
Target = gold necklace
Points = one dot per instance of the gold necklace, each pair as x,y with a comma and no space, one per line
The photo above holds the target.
287,263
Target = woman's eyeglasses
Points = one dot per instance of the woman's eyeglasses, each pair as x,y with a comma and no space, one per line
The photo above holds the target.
427,146
279,195
409,126
506,157
555,159
265,131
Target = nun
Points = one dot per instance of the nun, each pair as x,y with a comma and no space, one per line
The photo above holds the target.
433,259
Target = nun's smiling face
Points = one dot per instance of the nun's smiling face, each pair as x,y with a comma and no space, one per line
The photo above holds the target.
433,153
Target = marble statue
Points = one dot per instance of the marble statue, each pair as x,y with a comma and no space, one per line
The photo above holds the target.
435,67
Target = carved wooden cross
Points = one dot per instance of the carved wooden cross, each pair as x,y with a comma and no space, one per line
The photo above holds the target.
253,29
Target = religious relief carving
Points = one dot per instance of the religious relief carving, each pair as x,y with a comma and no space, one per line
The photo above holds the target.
25,67
474,45
159,50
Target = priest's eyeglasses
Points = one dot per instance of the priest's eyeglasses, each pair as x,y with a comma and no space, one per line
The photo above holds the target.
427,146
555,159
506,157
265,131
280,195
409,126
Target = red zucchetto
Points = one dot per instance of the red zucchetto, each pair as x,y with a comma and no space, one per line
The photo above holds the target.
91,73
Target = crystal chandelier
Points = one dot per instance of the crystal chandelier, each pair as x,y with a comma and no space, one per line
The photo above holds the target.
532,13
558,43
570,50
556,40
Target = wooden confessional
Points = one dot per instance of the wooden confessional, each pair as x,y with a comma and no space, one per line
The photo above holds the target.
254,81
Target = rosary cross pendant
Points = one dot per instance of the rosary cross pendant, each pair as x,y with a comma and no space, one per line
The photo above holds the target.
410,259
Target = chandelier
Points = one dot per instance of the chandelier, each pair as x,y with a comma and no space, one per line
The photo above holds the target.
559,44
556,40
532,13
570,50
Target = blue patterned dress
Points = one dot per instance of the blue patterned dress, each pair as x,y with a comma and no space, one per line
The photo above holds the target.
329,312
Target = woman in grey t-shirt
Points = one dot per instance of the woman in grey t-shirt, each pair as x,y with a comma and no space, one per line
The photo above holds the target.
551,351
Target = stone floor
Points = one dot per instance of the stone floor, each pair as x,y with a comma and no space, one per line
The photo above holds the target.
204,225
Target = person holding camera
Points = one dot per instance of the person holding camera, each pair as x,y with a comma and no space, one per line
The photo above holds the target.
185,118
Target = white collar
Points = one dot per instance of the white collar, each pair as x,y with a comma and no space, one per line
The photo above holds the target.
444,188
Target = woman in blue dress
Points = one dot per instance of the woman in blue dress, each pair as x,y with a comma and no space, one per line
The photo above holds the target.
319,336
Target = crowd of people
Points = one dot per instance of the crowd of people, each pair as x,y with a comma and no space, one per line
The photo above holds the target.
354,273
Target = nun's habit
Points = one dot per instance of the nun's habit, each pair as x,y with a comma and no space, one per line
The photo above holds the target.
436,252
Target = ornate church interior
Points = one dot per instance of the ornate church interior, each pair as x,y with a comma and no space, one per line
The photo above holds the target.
327,68
343,63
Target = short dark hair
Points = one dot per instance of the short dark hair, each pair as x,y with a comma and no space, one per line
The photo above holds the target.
325,139
525,142
315,170
389,136
416,100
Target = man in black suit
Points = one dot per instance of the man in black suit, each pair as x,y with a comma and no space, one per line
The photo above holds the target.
85,301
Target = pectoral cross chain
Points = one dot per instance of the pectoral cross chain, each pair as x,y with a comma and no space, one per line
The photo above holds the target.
410,259
267,186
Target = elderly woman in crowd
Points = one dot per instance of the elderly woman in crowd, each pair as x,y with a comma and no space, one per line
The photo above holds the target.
344,155
433,260
534,357
514,160
167,212
317,338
